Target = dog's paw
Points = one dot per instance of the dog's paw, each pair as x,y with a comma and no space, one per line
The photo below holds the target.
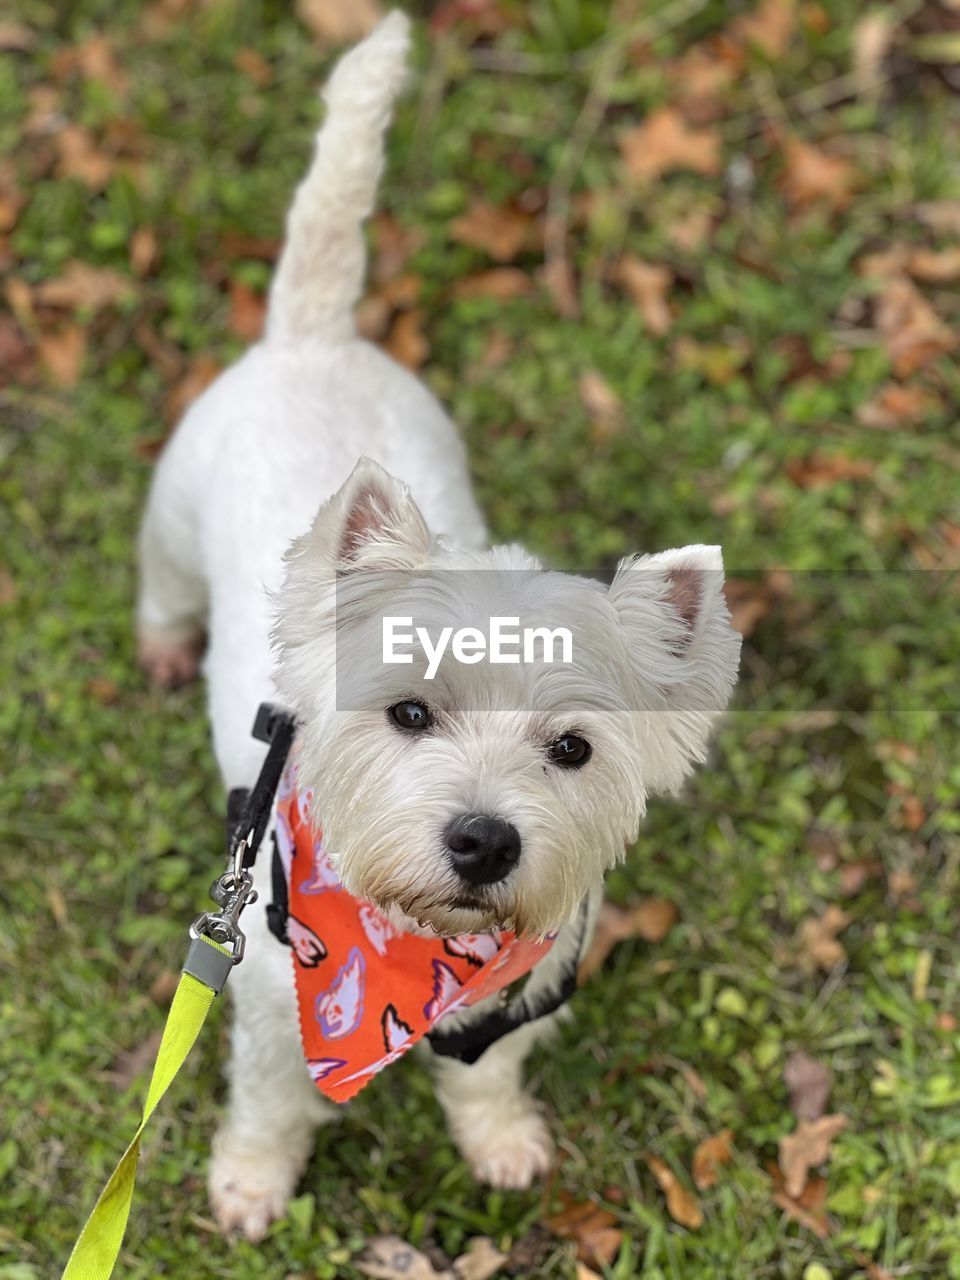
510,1156
248,1193
169,663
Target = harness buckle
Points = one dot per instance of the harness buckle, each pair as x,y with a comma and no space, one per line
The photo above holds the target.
231,892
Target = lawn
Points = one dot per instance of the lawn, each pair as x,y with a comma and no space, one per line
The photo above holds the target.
744,334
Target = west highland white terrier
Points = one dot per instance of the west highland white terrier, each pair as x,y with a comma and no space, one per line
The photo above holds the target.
468,805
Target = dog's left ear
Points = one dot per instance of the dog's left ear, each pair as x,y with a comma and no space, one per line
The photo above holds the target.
683,649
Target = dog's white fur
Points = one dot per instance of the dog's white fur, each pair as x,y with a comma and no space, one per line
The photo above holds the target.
235,490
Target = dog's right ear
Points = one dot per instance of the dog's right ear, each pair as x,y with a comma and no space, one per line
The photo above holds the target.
371,522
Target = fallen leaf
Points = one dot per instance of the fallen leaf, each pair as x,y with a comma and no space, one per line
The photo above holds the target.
16,358
406,341
912,332
873,1269
870,45
854,875
472,19
103,690
402,291
62,353
768,28
481,1261
164,986
390,1258
501,232
821,470
934,266
339,21
143,251
248,310
690,230
682,1205
94,59
894,406
946,1021
650,919
80,157
501,283
131,1063
561,284
594,1229
817,940
254,66
237,244
604,407
372,316
584,1272
699,80
15,37
709,1156
942,216
11,202
809,1082
808,1208
665,142
198,377
811,175
394,246
807,1146
82,285
647,286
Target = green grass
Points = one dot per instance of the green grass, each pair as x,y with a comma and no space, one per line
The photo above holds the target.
111,813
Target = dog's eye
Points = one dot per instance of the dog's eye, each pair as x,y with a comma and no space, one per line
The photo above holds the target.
570,751
411,716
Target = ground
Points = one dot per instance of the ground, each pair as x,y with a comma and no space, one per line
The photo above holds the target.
715,353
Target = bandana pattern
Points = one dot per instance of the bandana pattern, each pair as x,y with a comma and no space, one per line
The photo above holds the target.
366,990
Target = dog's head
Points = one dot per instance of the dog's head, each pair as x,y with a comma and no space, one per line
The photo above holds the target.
470,793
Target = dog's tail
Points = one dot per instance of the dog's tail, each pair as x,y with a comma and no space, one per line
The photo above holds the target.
320,274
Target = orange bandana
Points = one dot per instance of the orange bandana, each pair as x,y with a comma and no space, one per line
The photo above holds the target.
366,990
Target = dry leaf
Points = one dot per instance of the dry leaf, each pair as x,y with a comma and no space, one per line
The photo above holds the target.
809,1082
339,21
502,283
807,1208
934,266
913,333
586,1273
768,28
811,175
237,244
665,142
103,690
198,377
709,1156
63,353
164,986
406,341
82,285
402,291
682,1205
873,1269
94,59
131,1063
143,251
821,470
647,286
604,407
942,216
248,310
689,231
894,406
254,66
594,1229
500,232
650,919
481,1261
394,246
561,284
817,940
15,37
854,875
81,158
807,1146
16,357
372,316
749,603
870,43
699,80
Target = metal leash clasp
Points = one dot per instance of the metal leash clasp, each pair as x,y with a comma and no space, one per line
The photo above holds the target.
231,892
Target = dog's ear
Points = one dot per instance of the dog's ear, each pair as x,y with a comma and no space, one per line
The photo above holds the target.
371,522
683,649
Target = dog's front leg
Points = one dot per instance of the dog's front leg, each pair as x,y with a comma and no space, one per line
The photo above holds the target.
266,1137
496,1123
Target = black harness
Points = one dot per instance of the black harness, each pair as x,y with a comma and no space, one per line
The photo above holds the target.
248,815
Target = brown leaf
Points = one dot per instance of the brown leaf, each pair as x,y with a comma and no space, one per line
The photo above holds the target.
594,1229
198,377
339,21
934,266
11,202
62,353
94,59
665,142
690,230
650,919
873,1269
807,1146
237,244
699,80
80,157
561,284
822,470
943,216
131,1063
604,407
912,332
143,251
809,1082
372,317
390,1258
502,283
481,1261
248,310
894,406
501,232
807,1208
749,603
682,1205
82,285
811,175
647,286
709,1156
103,690
768,28
16,358
870,44
15,37
406,341
394,244
164,986
254,66
854,875
817,940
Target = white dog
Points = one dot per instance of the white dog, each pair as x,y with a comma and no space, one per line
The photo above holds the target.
554,763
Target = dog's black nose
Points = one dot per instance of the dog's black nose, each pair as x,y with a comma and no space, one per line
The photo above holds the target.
482,849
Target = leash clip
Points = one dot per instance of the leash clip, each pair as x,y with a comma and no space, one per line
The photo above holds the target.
231,892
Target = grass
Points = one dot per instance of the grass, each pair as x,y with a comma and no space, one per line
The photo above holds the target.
841,751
